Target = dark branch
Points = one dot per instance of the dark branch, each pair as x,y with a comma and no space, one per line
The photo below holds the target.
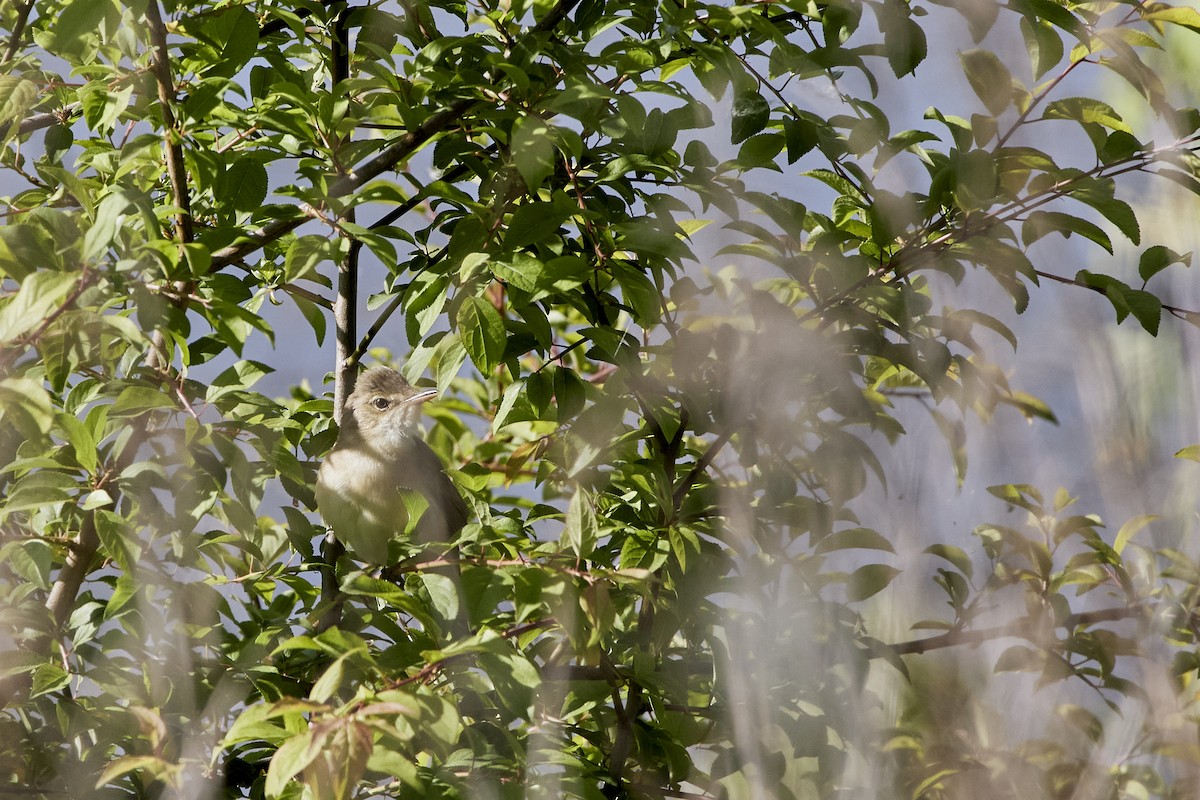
1019,629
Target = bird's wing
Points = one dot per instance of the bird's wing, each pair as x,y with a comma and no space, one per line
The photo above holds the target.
424,473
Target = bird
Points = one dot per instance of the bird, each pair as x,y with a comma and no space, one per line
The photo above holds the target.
379,454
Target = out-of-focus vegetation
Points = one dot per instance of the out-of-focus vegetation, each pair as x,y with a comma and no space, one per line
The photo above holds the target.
670,306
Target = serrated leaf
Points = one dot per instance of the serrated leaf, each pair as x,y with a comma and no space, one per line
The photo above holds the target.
76,23
1039,223
751,112
1146,309
17,96
244,186
482,332
1157,258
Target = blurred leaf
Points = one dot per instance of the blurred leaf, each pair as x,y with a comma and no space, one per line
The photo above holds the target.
952,553
854,538
532,150
989,78
1130,528
869,580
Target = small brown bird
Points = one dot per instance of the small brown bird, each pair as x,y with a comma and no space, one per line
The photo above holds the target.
379,452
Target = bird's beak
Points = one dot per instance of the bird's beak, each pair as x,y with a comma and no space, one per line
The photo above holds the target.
421,397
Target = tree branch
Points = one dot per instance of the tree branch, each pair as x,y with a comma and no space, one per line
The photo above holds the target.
176,168
1019,629
18,30
698,469
345,324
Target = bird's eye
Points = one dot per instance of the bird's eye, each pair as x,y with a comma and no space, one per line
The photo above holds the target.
381,403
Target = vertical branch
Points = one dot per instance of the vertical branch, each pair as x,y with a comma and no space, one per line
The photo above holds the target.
80,554
18,30
346,327
176,169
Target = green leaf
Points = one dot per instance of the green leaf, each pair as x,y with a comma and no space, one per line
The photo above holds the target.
903,39
1086,110
854,538
751,112
579,533
534,222
17,96
244,185
1044,44
482,332
233,35
331,679
989,78
116,539
1191,452
31,559
303,256
1183,16
801,136
1040,223
76,24
1158,257
1029,405
869,580
955,555
135,400
1129,529
532,150
26,405
569,393
292,756
443,595
39,294
102,106
1146,309
37,489
760,150
1019,658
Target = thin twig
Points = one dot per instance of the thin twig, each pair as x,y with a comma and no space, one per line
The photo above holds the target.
701,465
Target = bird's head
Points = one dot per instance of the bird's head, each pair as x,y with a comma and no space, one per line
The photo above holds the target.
384,409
